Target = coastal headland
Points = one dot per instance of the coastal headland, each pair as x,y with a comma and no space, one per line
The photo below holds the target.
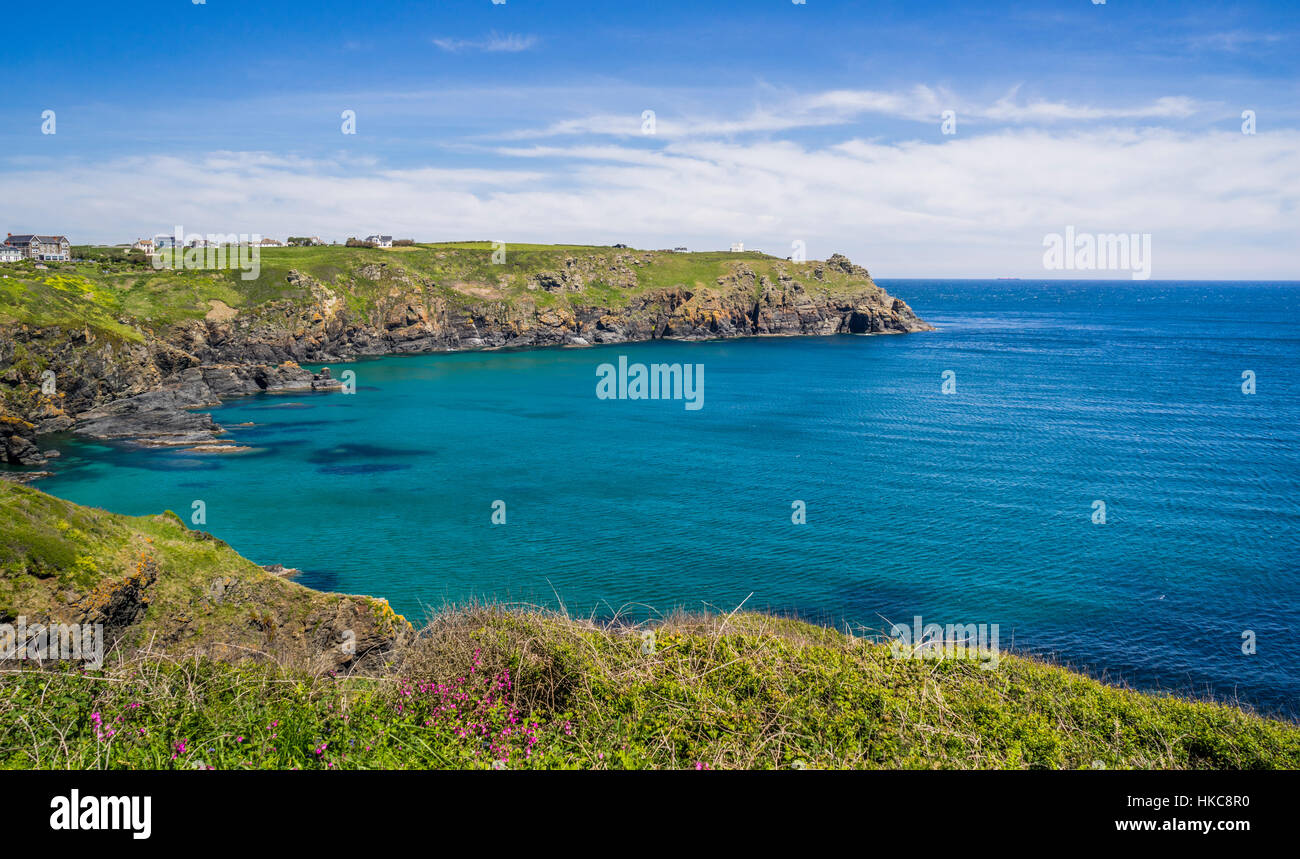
114,347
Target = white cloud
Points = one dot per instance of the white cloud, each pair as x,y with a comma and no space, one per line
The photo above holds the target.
492,43
1218,204
920,103
1232,41
1008,110
840,107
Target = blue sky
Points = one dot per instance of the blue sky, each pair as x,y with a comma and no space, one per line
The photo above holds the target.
774,122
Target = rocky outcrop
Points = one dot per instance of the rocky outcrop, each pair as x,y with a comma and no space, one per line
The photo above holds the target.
152,583
163,417
17,442
116,603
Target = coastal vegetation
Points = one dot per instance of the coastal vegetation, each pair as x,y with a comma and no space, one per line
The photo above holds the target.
490,686
151,581
114,291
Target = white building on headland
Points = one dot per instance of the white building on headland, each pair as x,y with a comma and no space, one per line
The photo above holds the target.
737,247
380,241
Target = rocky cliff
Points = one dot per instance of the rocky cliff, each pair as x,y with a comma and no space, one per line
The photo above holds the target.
127,356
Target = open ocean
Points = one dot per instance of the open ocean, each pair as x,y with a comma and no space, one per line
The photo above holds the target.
970,507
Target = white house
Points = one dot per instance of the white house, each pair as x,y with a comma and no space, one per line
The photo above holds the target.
10,254
145,245
737,247
380,241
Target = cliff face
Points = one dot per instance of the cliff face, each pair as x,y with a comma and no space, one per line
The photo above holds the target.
130,377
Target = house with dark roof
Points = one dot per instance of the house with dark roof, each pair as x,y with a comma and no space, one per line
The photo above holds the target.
41,247
380,241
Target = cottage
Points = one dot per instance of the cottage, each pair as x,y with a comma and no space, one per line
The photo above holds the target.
380,241
144,245
41,247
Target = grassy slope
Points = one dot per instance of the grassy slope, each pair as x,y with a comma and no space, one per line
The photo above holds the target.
113,292
540,690
58,559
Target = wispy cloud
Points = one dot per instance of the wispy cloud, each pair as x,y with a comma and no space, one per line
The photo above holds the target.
839,107
1232,41
508,43
1007,109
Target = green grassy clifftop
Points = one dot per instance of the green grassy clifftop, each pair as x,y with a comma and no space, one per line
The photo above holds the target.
119,294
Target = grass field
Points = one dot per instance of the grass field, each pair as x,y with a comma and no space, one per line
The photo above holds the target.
116,293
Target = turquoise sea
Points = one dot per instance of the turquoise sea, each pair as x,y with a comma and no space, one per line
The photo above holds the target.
970,507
